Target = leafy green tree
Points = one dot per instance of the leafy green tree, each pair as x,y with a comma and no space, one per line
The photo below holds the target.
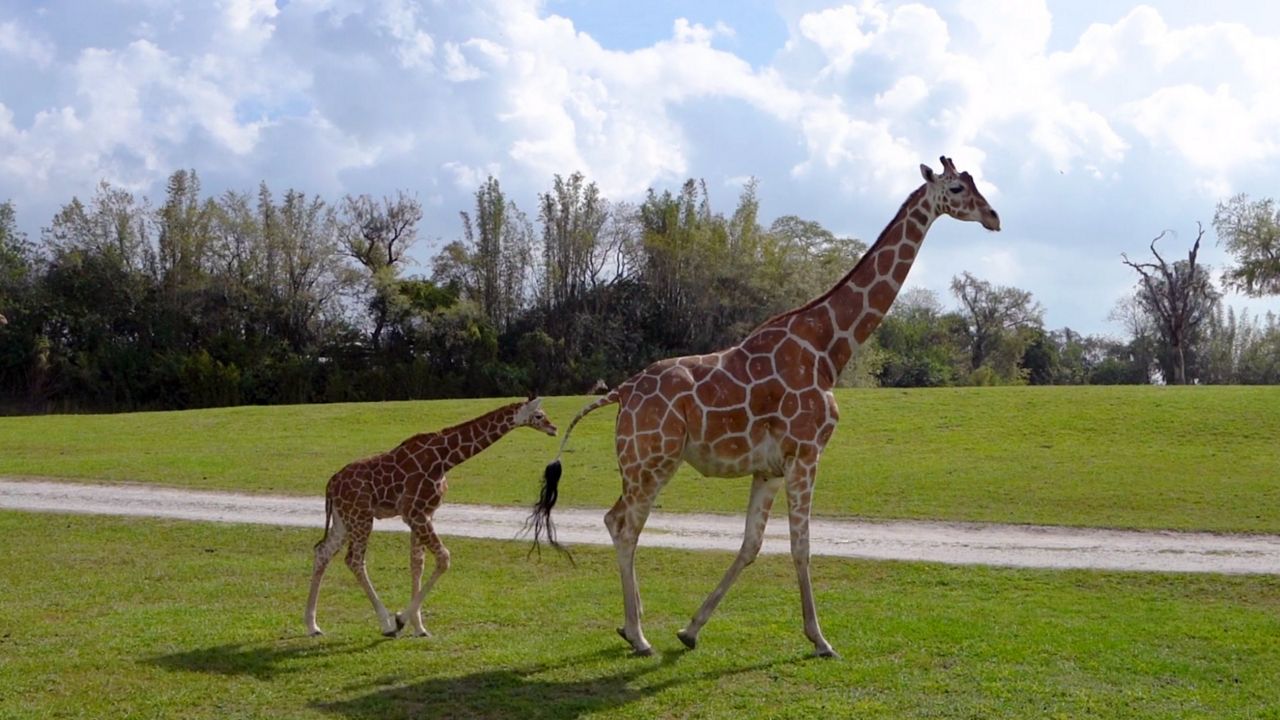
573,216
21,308
492,265
801,258
1250,230
1000,322
922,345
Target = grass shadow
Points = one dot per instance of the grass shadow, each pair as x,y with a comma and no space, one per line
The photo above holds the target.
264,661
525,692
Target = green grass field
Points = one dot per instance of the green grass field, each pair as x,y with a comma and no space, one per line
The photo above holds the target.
107,617
1142,457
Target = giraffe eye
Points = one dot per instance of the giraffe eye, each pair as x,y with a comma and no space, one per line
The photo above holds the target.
957,189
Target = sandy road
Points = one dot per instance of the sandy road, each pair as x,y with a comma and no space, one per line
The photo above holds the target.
947,542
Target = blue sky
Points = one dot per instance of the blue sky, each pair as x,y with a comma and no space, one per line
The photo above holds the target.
1092,125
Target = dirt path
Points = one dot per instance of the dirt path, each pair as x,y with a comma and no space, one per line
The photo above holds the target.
948,542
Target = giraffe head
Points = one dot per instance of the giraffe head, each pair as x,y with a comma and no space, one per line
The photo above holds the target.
530,414
955,194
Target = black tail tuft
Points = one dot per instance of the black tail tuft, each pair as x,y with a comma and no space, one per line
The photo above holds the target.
540,519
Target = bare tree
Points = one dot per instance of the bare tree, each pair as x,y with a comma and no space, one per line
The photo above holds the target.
1178,296
378,236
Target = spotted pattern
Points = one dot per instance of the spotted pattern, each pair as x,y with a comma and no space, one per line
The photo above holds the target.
408,481
764,407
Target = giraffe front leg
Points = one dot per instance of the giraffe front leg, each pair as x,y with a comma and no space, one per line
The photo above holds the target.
391,625
424,539
763,490
324,552
800,481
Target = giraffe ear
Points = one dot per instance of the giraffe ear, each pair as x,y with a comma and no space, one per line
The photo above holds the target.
926,172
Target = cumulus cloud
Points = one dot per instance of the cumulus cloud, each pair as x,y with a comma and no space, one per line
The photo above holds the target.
18,41
339,95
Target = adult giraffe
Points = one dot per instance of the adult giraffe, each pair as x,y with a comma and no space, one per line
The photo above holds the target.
762,408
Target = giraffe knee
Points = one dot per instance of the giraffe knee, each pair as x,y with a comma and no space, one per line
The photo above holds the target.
442,559
615,521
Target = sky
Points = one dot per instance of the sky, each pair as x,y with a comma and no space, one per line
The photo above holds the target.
1091,125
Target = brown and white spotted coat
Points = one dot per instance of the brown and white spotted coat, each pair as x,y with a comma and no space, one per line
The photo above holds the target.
763,407
408,481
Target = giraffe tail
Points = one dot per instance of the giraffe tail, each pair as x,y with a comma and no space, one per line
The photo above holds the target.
328,516
540,519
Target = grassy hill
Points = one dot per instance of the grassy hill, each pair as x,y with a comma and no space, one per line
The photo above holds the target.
1146,457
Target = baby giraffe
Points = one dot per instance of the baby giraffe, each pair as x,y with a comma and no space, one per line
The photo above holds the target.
408,481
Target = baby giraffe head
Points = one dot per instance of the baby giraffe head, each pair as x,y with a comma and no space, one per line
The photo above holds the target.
955,194
530,414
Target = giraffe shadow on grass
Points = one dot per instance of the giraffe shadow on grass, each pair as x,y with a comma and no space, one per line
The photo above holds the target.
533,691
261,660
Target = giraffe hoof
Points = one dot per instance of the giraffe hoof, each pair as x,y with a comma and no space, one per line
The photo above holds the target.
826,652
399,627
316,633
690,641
644,652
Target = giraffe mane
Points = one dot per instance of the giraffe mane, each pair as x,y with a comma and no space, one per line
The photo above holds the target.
464,423
901,214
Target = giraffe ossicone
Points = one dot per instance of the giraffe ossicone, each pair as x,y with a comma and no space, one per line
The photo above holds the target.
762,408
408,481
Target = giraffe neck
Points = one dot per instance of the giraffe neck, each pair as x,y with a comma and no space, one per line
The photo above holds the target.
465,440
840,320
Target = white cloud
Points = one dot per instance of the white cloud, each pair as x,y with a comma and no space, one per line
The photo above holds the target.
20,42
907,93
414,46
696,33
468,178
251,19
1214,132
345,95
839,32
456,67
1206,93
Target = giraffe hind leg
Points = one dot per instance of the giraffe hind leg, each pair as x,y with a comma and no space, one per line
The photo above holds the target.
620,521
324,552
625,520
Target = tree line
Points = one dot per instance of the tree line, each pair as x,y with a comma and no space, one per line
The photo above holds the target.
265,298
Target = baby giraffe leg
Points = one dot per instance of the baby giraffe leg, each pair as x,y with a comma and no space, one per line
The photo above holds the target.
424,539
360,531
325,550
